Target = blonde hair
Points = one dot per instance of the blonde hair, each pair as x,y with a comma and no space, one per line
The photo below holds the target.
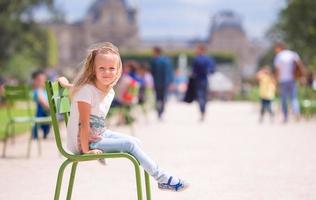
87,73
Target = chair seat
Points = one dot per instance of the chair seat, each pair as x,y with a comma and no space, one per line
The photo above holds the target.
43,120
37,120
91,157
88,157
21,119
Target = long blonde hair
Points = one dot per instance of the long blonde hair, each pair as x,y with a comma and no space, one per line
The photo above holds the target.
87,73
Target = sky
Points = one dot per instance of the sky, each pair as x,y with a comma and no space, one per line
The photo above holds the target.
186,19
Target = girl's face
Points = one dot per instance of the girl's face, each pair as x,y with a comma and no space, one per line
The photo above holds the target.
105,68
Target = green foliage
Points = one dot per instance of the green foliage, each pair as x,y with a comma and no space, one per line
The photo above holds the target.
248,94
22,40
267,59
146,56
20,67
307,98
312,64
52,49
297,27
306,93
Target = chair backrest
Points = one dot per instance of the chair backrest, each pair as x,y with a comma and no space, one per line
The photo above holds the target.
20,93
59,104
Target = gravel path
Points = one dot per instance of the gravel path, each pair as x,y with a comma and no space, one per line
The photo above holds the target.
230,156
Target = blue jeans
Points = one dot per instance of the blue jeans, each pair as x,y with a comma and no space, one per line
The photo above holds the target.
45,128
201,94
161,97
115,142
266,106
288,89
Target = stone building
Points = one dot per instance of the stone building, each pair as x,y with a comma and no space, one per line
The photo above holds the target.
227,35
116,21
105,20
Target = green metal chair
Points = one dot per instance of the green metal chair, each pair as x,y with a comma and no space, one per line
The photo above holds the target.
21,95
60,105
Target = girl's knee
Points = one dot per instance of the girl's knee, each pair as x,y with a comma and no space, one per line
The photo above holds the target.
137,141
130,145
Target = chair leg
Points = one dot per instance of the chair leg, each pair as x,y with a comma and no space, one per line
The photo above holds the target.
29,144
147,184
60,178
13,134
39,143
71,180
5,140
138,181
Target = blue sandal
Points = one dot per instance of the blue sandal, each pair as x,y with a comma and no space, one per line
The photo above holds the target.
180,186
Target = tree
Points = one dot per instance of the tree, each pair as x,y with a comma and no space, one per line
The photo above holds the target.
296,25
22,41
52,49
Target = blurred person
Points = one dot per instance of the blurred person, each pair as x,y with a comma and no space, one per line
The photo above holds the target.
162,72
40,98
148,78
2,83
145,90
91,97
202,66
180,84
138,73
314,81
267,88
126,93
141,71
125,88
145,94
287,63
310,79
51,74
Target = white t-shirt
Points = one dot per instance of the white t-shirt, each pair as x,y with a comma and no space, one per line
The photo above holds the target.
284,62
100,106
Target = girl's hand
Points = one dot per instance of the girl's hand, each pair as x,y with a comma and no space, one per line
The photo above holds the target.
94,151
94,137
64,82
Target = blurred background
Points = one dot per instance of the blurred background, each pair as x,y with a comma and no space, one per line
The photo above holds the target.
53,36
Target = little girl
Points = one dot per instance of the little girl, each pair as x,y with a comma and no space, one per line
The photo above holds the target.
91,97
267,88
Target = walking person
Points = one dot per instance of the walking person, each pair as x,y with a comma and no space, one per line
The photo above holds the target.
288,67
267,88
40,98
202,66
162,72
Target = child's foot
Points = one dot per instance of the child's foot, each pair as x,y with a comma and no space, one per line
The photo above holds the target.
176,185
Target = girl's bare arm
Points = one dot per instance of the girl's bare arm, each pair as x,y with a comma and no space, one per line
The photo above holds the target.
84,114
63,81
43,101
